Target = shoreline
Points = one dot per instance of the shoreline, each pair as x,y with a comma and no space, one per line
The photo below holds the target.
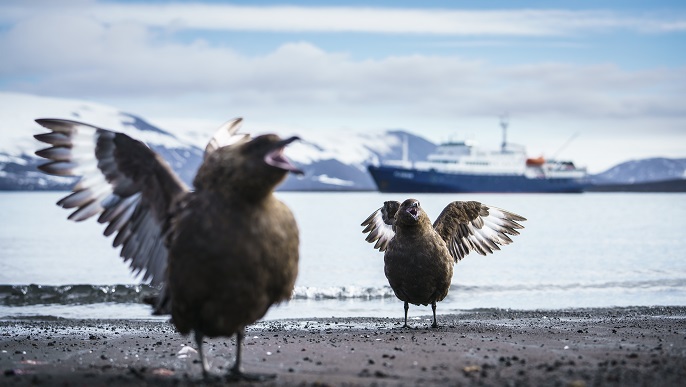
575,347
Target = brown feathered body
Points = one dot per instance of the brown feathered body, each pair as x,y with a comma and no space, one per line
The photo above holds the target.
419,257
234,247
417,263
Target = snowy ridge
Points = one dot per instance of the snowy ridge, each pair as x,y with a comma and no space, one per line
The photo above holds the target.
19,112
17,145
643,171
348,148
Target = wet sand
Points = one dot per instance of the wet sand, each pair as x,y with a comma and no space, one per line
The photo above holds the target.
583,347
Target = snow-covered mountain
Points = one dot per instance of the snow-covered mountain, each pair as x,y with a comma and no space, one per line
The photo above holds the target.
339,161
17,145
330,162
643,171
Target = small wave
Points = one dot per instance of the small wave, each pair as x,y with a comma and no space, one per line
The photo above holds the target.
342,293
382,292
22,295
545,287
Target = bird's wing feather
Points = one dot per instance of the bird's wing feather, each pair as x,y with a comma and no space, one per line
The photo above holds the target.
472,226
380,225
226,135
128,185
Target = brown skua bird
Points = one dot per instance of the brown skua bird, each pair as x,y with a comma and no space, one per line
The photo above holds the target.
419,257
222,253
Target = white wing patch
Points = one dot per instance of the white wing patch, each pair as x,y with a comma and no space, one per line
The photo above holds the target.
226,135
73,154
378,230
89,152
485,234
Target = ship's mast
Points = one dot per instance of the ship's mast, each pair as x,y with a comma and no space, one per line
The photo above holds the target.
504,122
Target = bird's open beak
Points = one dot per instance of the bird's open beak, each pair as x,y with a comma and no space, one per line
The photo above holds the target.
413,210
277,159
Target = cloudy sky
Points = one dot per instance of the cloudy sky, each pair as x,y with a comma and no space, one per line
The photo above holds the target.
609,75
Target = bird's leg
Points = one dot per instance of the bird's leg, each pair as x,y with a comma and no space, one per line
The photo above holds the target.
236,373
203,361
407,307
239,351
433,307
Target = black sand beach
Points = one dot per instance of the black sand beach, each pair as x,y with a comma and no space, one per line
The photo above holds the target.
582,347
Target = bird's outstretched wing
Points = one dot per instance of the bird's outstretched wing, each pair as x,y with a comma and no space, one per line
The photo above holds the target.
128,185
381,225
472,226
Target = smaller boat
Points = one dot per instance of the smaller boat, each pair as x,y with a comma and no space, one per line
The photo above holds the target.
461,166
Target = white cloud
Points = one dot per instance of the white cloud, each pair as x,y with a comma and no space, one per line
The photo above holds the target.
95,60
275,18
354,19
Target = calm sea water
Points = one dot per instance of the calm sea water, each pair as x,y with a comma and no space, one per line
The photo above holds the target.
587,250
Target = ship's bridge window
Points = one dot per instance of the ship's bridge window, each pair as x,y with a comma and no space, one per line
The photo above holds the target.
456,149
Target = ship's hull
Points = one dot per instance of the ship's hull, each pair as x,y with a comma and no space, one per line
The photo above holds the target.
394,179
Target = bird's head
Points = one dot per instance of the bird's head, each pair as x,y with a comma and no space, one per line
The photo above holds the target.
254,167
274,156
409,213
264,158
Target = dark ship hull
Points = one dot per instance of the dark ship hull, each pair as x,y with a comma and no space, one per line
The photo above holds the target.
402,180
